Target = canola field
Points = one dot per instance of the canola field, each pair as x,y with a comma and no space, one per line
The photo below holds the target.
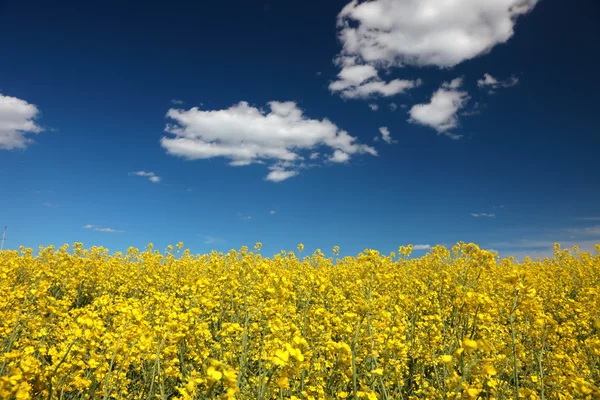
457,323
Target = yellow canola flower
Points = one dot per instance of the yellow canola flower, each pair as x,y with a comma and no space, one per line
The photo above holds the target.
283,382
236,325
469,344
282,357
213,373
446,359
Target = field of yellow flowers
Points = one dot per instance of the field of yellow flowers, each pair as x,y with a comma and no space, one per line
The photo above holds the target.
81,323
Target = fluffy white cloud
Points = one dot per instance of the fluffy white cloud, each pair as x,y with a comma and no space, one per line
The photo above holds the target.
339,157
246,135
17,118
101,229
422,247
491,83
426,32
150,175
373,107
441,111
385,135
478,215
363,81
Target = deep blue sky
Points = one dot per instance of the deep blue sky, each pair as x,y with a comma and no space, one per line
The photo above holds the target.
103,75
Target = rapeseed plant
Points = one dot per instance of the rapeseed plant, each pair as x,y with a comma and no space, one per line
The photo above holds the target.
457,323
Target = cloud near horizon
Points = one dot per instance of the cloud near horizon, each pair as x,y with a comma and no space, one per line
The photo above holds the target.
101,229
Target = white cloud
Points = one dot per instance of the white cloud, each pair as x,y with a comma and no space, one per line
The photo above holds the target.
393,106
373,107
385,135
280,175
339,157
491,83
363,81
314,156
272,212
441,111
422,247
426,32
150,175
101,229
246,135
109,230
478,215
17,119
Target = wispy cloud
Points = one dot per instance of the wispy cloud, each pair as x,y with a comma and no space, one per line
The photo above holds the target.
49,205
588,219
101,229
373,107
272,212
422,247
244,217
177,102
385,135
542,245
486,215
213,240
491,83
362,81
150,175
586,231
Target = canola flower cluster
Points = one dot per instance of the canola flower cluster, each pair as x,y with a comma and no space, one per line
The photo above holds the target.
457,323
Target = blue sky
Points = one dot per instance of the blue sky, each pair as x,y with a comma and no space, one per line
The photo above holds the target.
87,90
